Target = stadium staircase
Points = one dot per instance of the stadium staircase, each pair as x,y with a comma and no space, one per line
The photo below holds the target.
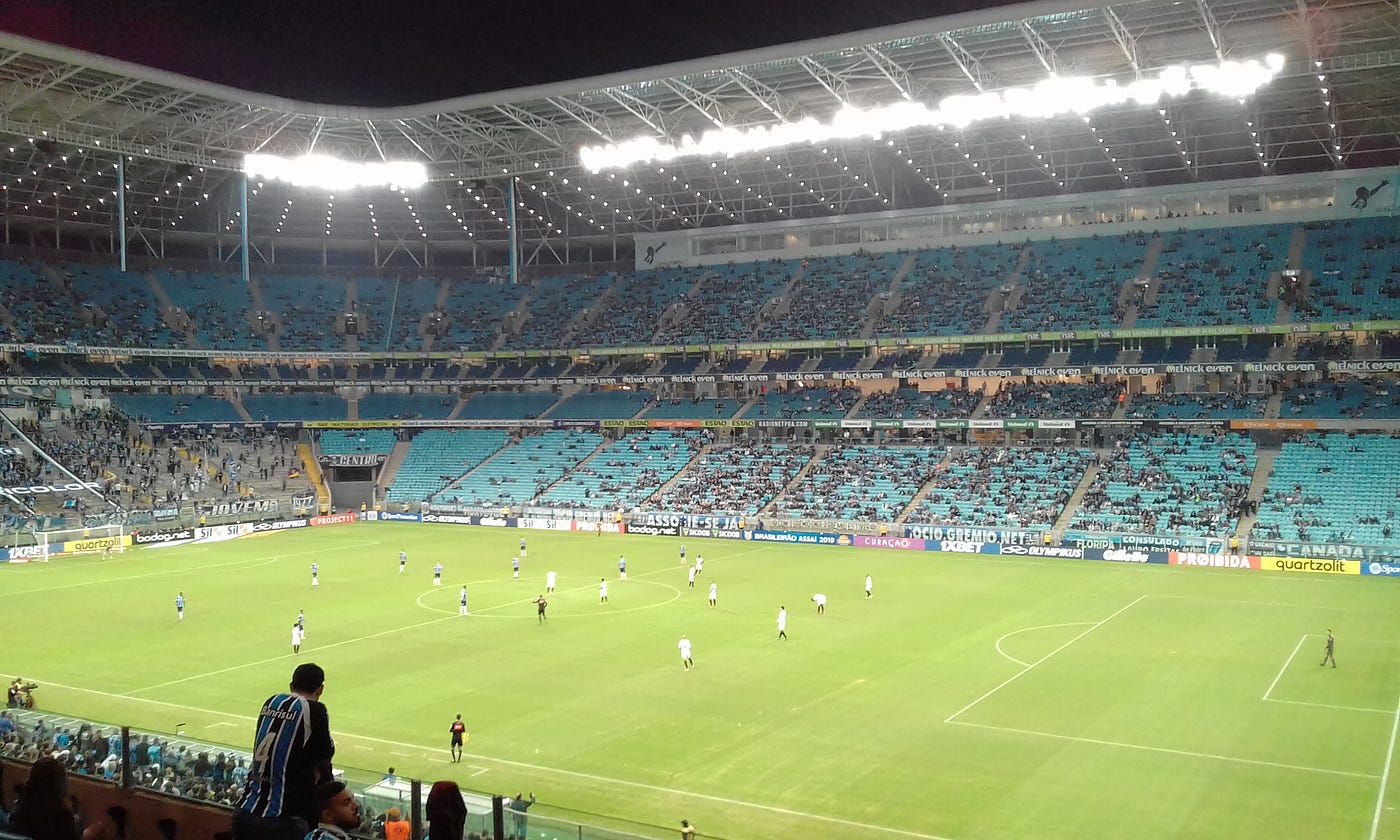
880,304
352,304
822,449
925,490
312,471
1072,505
255,292
391,468
1263,469
439,305
457,409
1146,273
8,320
1297,244
602,447
352,405
238,407
459,479
178,320
779,305
994,305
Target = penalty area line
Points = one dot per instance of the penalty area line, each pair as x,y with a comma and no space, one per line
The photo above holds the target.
486,759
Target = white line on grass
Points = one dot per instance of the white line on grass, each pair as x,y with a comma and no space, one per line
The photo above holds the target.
1028,668
1331,706
1286,663
1169,751
285,656
1385,774
558,771
1029,629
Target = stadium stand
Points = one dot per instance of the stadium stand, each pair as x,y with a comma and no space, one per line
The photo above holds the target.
625,473
1052,399
553,303
911,403
695,408
474,310
218,306
1215,276
803,403
1353,398
374,441
633,310
736,480
831,298
989,486
387,406
606,405
295,406
1355,267
728,303
1074,283
946,291
860,482
1195,406
437,457
1334,488
498,405
524,470
1177,483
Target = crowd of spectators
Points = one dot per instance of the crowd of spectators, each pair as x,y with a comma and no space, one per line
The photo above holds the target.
1229,404
830,299
736,480
993,487
727,305
1178,483
1046,400
946,291
860,481
804,404
912,403
1073,284
1346,398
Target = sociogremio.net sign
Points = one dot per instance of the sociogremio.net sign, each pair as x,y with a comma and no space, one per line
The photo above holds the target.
1331,566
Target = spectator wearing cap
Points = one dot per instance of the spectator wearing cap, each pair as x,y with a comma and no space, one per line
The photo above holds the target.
292,753
337,812
395,826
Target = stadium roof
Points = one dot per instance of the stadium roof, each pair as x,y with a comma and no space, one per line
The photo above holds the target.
65,114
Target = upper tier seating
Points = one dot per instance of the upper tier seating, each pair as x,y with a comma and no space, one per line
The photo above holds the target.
1336,488
831,298
1216,276
391,311
29,297
1074,283
308,308
1176,483
636,305
989,487
439,456
863,481
474,310
726,305
946,291
626,472
1356,270
554,301
355,441
521,472
737,480
803,404
219,305
124,313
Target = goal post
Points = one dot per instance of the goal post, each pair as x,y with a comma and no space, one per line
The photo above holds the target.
94,539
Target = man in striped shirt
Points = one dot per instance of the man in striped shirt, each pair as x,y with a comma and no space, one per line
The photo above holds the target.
292,754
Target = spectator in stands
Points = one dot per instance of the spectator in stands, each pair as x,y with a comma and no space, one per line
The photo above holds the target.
337,812
43,811
277,802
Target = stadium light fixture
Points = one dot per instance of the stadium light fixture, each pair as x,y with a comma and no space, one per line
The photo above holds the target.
1050,97
330,173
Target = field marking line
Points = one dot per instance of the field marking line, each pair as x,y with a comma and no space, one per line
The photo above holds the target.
429,753
1385,774
246,561
340,643
1282,604
1169,751
479,769
1332,706
1286,663
1027,630
1013,678
217,725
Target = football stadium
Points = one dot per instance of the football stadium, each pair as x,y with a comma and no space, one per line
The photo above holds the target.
977,428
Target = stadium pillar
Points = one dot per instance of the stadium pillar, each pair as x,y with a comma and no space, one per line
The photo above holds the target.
514,235
243,223
121,210
415,811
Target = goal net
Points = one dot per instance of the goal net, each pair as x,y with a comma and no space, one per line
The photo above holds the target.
96,539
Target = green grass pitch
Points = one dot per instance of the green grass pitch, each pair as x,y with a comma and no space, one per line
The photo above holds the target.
973,698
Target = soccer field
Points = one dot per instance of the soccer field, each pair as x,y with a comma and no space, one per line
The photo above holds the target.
973,698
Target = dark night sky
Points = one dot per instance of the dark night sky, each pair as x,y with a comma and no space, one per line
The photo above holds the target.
387,53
